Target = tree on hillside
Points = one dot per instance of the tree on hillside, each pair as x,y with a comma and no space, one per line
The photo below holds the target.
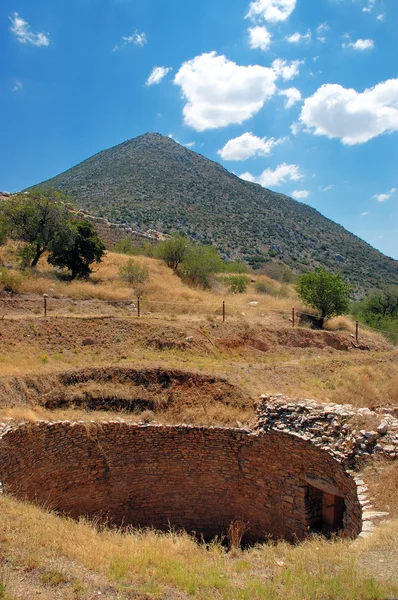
173,250
381,303
326,292
200,263
76,247
35,218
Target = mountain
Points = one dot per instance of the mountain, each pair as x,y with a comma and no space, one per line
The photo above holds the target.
151,182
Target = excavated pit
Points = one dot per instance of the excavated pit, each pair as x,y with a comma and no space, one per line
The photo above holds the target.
189,478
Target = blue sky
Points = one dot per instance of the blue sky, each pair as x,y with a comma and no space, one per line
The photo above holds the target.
298,95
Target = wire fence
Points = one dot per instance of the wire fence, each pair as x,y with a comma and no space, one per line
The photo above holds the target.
48,307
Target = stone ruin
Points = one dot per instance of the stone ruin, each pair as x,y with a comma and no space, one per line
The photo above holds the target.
348,433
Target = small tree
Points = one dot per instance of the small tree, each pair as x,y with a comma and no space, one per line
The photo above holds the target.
173,250
200,263
134,273
76,247
35,218
326,292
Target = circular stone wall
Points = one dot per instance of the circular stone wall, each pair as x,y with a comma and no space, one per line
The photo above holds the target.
193,478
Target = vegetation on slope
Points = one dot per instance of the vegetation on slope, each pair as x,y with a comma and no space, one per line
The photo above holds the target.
153,182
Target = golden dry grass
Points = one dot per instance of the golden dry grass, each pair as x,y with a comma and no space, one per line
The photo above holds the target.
174,566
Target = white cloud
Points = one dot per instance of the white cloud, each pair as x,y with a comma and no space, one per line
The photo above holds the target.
259,37
380,17
321,30
248,145
157,75
386,196
17,86
190,144
359,45
353,117
218,92
300,194
296,38
370,6
286,70
21,29
270,178
292,96
364,214
248,177
271,10
327,188
138,39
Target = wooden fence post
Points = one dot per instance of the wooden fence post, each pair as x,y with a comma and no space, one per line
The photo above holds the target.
356,331
223,311
138,306
293,315
45,296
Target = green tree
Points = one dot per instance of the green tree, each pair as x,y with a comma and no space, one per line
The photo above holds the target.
380,303
173,250
326,292
76,247
35,218
237,284
200,263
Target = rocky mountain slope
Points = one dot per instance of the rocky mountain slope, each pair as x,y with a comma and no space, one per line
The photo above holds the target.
151,182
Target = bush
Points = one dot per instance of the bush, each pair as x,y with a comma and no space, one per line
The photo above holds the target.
10,281
133,273
235,267
200,264
263,287
131,249
237,284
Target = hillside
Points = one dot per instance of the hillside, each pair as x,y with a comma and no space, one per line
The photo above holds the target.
153,182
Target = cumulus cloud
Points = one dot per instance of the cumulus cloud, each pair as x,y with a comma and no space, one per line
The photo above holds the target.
190,144
218,92
359,45
380,17
300,194
157,75
321,30
138,39
296,38
370,6
248,145
271,10
386,196
350,116
259,37
22,31
286,70
273,178
292,95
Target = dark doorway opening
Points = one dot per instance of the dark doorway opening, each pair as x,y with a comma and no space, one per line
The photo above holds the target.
324,511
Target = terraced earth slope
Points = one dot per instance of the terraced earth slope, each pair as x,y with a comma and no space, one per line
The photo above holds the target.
151,182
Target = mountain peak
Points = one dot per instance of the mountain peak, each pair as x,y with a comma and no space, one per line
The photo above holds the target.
152,182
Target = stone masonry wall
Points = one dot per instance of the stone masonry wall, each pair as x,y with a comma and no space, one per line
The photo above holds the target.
195,478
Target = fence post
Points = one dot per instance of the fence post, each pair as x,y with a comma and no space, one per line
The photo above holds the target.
223,311
45,296
356,331
139,306
293,315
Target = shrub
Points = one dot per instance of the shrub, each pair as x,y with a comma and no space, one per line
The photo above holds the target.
200,264
10,281
236,267
130,248
237,284
133,273
263,287
279,272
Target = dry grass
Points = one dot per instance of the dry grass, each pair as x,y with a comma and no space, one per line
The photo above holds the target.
174,566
